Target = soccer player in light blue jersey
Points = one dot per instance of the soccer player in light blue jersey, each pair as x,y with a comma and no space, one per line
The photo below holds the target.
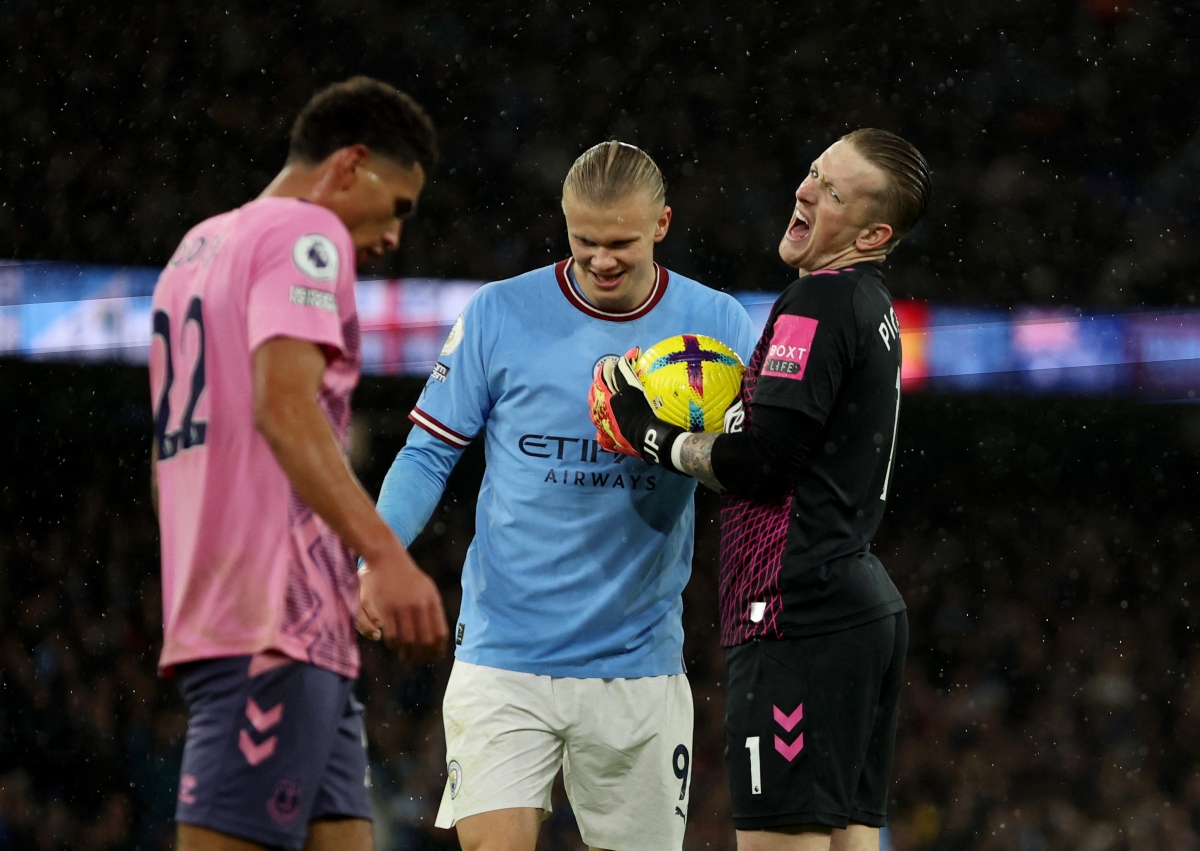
569,642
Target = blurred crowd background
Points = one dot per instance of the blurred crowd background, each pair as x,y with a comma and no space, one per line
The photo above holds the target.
1047,549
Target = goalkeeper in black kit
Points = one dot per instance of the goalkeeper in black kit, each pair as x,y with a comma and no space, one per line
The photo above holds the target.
813,628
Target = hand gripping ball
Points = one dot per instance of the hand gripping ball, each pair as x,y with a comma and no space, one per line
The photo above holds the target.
690,380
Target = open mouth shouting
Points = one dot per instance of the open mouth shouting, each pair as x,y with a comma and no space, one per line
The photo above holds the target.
799,228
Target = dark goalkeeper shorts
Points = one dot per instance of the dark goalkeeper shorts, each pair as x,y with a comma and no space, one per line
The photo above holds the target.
811,726
268,753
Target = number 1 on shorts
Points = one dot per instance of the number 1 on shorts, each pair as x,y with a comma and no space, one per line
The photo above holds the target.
755,765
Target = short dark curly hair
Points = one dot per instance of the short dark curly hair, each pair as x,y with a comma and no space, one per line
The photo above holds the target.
364,111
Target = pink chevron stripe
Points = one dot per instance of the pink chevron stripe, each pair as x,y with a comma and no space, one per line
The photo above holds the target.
789,751
255,754
187,785
263,721
787,722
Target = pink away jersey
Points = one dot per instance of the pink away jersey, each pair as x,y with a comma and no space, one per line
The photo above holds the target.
247,566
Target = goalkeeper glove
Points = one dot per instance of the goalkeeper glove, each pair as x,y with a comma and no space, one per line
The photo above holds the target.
624,421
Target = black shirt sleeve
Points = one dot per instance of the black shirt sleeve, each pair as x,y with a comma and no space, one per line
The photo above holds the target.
763,462
814,337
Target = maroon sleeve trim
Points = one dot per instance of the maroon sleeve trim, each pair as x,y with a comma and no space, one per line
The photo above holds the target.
439,430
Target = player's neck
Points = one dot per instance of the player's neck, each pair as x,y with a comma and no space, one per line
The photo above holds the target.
848,259
294,181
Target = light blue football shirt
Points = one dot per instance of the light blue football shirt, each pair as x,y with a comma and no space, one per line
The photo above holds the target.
580,556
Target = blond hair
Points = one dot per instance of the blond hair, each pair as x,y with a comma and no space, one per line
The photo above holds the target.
908,184
612,171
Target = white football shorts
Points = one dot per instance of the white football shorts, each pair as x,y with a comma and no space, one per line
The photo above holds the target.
624,745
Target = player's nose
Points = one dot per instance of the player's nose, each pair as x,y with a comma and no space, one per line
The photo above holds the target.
391,236
602,259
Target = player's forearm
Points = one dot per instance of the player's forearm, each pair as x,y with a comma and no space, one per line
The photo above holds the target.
305,447
762,463
414,484
694,453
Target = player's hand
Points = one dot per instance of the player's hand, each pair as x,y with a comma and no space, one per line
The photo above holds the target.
605,394
735,417
401,605
623,416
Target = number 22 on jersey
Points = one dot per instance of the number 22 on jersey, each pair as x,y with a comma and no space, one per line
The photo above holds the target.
176,429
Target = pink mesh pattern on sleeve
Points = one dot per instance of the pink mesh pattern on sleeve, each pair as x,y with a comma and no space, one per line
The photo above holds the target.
753,535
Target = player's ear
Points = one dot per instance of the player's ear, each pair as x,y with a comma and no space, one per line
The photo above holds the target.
662,225
873,237
344,164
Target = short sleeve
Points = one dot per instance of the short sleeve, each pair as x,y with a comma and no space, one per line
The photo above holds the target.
744,335
457,399
811,349
301,273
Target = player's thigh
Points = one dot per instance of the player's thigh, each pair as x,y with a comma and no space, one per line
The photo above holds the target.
856,837
628,765
503,744
799,722
512,829
190,837
799,838
874,785
340,834
344,792
257,748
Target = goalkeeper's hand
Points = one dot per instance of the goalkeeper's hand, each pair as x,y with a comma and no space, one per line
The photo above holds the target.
623,418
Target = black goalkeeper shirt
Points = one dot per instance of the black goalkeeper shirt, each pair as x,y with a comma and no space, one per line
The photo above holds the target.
802,565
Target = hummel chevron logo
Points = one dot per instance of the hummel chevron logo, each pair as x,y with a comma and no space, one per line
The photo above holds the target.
788,722
187,785
255,754
263,721
789,751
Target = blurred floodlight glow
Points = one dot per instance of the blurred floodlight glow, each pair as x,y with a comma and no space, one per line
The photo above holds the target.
99,313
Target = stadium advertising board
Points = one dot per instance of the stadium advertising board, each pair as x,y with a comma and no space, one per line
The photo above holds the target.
99,313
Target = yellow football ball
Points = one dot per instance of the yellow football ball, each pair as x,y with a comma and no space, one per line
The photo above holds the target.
690,380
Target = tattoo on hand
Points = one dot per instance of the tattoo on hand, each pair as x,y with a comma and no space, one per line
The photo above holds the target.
695,458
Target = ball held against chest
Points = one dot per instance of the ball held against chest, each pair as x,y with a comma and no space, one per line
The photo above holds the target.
690,380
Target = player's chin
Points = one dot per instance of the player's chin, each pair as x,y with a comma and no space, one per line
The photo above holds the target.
790,253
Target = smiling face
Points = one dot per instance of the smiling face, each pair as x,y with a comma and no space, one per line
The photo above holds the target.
832,223
613,247
371,194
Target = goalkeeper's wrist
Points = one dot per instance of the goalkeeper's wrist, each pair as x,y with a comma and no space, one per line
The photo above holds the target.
660,444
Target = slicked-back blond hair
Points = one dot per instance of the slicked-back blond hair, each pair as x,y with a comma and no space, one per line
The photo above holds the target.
908,184
612,171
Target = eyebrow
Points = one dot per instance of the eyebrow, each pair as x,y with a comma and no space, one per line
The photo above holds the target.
821,176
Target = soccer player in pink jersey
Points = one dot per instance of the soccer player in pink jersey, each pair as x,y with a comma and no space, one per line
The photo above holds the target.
254,355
